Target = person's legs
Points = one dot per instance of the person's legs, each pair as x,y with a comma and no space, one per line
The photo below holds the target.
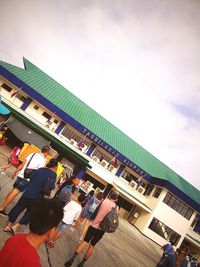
85,228
9,198
6,167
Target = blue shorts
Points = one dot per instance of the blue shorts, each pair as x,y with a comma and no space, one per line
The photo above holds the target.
86,214
63,226
20,184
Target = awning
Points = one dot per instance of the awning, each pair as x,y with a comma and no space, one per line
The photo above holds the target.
25,134
132,198
48,136
3,109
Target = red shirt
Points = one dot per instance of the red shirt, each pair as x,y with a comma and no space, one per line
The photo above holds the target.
18,252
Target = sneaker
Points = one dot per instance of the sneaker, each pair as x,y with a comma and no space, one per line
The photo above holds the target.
3,173
3,213
80,264
69,262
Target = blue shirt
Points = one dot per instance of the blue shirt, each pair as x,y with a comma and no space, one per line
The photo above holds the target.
34,189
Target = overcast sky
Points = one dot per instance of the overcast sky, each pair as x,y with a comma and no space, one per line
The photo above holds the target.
137,63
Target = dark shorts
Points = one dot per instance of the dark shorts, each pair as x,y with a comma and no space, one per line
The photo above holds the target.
93,235
20,184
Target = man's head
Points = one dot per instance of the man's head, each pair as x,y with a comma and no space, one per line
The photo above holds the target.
114,196
81,198
75,180
52,164
45,150
45,215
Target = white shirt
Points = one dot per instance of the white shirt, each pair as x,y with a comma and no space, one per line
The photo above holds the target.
37,161
71,212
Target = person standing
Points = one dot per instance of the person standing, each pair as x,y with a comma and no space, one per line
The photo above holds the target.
21,249
71,213
34,161
94,233
87,213
43,177
13,160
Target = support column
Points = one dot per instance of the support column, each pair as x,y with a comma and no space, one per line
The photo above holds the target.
60,127
107,190
91,149
26,103
120,170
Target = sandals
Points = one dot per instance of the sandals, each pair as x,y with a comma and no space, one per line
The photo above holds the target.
7,230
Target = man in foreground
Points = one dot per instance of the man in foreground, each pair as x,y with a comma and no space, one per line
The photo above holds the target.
21,249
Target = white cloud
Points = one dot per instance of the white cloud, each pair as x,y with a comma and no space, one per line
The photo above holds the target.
130,61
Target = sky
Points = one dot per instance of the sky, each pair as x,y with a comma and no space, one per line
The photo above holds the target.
137,63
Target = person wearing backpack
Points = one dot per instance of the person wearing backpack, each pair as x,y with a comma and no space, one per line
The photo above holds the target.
13,160
87,212
64,193
106,210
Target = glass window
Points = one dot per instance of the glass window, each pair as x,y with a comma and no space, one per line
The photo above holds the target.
189,214
157,192
46,115
164,231
21,97
69,134
6,87
149,189
178,205
36,107
55,121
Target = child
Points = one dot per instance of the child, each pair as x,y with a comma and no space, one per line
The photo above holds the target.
71,213
13,160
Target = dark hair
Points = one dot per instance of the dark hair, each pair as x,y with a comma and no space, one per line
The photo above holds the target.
100,196
45,215
114,195
45,149
52,163
91,193
81,198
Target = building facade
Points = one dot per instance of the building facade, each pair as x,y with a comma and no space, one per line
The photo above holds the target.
160,203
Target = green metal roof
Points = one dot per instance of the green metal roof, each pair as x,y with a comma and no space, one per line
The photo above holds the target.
77,109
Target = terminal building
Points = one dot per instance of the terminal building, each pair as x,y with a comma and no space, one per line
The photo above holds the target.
155,199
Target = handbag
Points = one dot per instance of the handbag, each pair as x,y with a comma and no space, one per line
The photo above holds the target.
46,189
29,172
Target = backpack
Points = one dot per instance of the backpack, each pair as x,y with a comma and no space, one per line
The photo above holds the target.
110,221
93,207
65,194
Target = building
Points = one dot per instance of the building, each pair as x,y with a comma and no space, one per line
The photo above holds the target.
160,203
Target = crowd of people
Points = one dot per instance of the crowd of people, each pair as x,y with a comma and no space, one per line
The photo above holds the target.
173,257
48,217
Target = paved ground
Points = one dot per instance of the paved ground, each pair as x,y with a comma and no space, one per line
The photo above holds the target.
126,247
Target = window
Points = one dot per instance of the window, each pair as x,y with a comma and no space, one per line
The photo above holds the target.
36,107
149,189
21,97
157,192
6,87
69,134
178,205
97,153
164,231
129,176
55,121
46,115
